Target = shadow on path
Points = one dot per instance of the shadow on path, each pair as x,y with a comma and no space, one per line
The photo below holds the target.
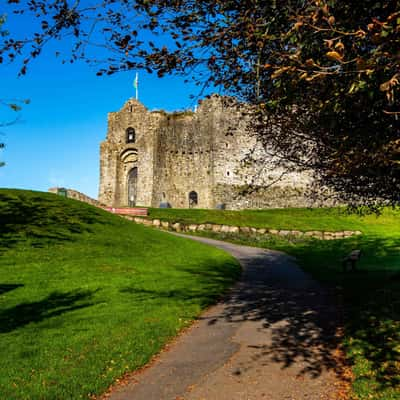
276,320
300,315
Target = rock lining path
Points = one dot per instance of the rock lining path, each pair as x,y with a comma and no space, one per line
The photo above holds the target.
273,338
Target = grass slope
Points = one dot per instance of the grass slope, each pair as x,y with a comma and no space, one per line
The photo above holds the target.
371,296
86,296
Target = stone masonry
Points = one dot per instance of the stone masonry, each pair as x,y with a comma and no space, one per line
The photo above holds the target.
242,230
191,159
74,194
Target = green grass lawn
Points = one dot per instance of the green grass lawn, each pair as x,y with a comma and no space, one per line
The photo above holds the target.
371,296
303,219
86,296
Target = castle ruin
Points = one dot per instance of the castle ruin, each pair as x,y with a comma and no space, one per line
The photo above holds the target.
191,159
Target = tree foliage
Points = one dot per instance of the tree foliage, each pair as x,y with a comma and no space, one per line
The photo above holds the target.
328,71
2,34
14,105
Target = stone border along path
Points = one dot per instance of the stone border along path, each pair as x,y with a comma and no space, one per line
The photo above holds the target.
180,227
273,337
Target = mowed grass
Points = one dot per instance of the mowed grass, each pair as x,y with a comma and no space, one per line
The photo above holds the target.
86,296
371,296
302,219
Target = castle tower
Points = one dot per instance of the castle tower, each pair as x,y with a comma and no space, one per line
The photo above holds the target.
127,157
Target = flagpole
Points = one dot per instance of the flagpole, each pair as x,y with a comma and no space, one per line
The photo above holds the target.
137,85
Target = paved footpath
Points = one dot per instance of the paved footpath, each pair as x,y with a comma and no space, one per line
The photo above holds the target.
273,338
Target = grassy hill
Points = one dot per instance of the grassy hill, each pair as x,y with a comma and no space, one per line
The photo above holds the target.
86,296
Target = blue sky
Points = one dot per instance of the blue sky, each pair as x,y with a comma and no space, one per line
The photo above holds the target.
56,141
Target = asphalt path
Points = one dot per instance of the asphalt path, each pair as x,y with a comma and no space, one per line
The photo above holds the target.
273,337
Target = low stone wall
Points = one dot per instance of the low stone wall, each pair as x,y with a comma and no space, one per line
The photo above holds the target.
74,194
180,227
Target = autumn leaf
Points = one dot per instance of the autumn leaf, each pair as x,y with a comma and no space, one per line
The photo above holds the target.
334,55
393,81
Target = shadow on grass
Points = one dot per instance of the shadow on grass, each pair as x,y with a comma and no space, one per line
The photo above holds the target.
41,219
53,305
371,297
210,279
7,287
306,327
209,295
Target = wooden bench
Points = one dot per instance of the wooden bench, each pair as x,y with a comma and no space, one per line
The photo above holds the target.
351,259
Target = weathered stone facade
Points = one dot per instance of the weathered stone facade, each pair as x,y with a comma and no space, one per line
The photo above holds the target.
74,194
191,160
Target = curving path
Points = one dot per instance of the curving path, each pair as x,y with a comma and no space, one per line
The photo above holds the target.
273,338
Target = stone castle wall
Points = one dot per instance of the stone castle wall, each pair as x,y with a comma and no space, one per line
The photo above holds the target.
203,152
184,161
74,194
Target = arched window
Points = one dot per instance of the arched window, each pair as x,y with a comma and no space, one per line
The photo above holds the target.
130,135
193,199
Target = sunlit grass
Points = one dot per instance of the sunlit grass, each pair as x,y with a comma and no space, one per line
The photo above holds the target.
303,219
86,296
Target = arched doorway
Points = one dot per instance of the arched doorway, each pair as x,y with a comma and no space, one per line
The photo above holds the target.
132,186
193,199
